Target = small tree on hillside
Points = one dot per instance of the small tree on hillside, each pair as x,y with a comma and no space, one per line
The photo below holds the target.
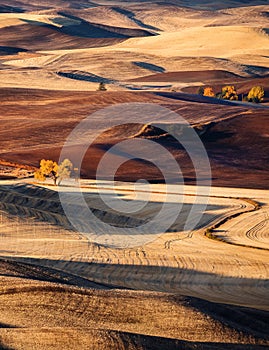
50,169
102,87
256,94
229,93
208,91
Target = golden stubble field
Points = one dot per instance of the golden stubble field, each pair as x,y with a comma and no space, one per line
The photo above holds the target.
201,289
58,49
41,260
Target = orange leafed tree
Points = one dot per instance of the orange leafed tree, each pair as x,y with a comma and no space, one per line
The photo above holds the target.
208,91
48,168
229,93
256,94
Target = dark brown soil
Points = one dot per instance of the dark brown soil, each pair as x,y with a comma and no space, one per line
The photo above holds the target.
190,76
35,123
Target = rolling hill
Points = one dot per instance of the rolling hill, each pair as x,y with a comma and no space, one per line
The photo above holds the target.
98,284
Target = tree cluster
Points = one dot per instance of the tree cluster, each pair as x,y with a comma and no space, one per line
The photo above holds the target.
57,172
229,92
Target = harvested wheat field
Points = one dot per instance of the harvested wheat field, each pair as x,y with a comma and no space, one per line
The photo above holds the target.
154,234
42,257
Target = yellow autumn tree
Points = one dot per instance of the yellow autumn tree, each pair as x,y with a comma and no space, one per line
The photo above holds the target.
48,168
256,94
208,91
229,93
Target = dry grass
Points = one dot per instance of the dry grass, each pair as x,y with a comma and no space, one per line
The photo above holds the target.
58,316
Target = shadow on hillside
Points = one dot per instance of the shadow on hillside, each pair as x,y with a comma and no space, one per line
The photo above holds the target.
169,344
5,325
78,27
33,204
167,279
28,271
149,66
158,343
245,320
11,50
86,76
4,347
145,342
11,9
131,15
